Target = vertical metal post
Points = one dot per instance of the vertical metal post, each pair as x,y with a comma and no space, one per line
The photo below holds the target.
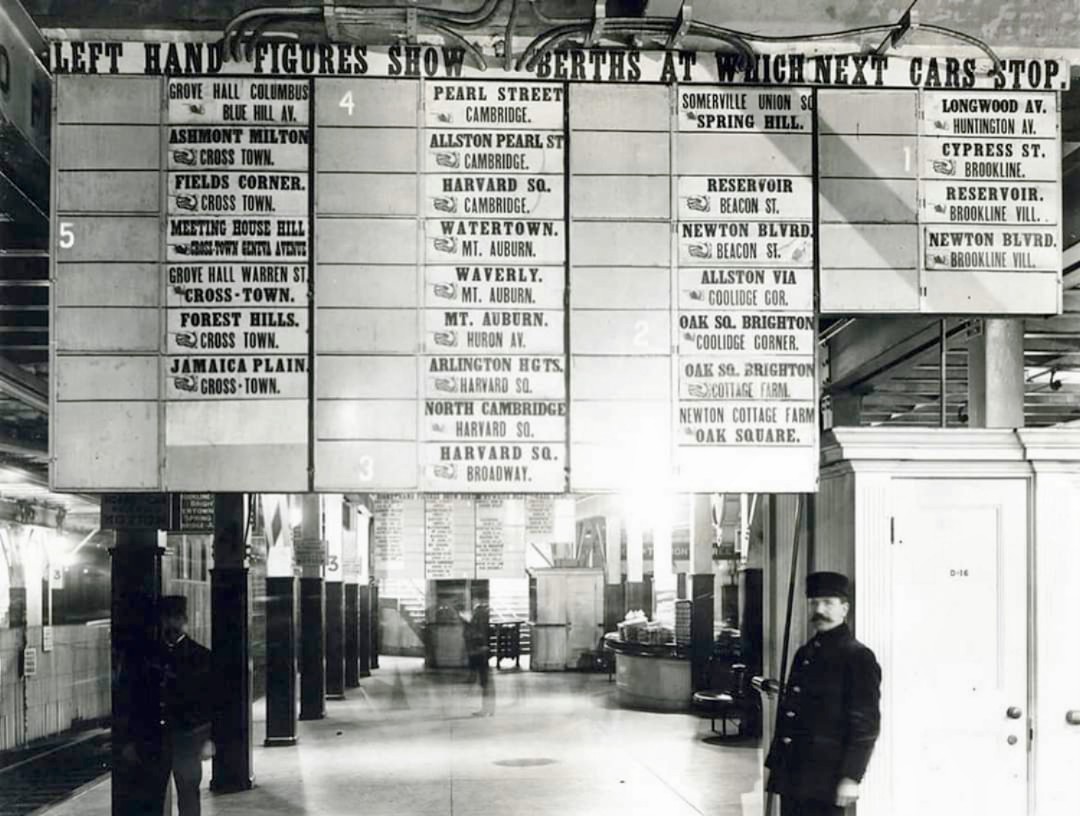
944,379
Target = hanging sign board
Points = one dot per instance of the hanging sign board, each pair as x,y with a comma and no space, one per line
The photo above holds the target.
135,511
388,270
310,552
193,512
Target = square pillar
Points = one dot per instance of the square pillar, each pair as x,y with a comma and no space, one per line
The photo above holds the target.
996,375
280,661
230,652
312,617
702,589
136,589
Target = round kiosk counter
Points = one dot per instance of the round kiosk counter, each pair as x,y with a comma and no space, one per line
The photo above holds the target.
650,677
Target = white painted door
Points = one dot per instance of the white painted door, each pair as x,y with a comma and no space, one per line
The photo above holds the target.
958,683
585,605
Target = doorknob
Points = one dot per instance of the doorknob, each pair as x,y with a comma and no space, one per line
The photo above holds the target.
1072,717
1013,712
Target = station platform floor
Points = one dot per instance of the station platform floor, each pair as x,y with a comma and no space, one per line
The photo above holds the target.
406,743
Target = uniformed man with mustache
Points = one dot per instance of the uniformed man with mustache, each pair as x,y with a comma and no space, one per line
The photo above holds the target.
829,716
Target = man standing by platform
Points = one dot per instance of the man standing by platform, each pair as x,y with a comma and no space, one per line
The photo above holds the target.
175,738
828,717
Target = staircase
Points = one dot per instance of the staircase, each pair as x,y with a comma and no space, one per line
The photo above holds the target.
402,612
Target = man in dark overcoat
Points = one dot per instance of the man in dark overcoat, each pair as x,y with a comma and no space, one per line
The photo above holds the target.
828,716
170,729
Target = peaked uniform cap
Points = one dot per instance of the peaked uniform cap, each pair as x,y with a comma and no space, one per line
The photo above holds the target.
173,605
828,585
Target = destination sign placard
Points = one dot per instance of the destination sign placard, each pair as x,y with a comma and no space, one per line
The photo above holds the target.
992,248
773,379
283,332
496,286
769,198
493,151
746,288
493,467
527,196
949,202
517,331
1002,160
493,105
734,110
502,376
227,147
751,424
240,238
746,333
228,193
997,115
502,429
257,285
238,101
520,241
236,377
764,243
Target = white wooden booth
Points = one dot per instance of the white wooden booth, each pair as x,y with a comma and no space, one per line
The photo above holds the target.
964,547
569,617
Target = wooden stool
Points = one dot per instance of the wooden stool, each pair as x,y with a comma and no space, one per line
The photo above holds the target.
720,706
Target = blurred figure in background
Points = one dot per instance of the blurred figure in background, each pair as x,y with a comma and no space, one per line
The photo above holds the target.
477,648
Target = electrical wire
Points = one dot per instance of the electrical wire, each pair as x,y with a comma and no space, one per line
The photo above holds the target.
237,32
550,20
625,25
716,31
235,27
745,35
508,38
245,46
958,35
472,50
526,56
563,29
